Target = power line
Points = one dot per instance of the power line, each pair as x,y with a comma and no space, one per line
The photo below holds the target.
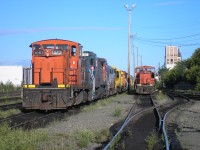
155,43
174,37
169,41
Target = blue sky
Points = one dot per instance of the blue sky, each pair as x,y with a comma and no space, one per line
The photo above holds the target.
100,26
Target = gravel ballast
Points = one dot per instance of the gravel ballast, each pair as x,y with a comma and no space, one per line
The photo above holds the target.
103,117
187,119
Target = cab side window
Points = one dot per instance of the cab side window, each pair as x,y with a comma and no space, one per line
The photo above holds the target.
73,51
92,62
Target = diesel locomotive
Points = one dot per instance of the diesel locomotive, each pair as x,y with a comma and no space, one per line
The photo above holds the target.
144,80
62,75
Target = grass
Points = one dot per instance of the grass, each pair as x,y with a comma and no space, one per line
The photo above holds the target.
41,139
10,102
10,112
118,112
17,139
85,137
116,144
74,140
160,96
151,140
97,105
100,103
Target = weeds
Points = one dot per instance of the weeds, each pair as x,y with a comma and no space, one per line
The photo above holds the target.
10,102
151,140
115,143
160,96
19,139
118,112
85,137
10,112
102,135
100,103
97,105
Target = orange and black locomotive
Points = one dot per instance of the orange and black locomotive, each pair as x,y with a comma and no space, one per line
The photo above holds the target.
144,80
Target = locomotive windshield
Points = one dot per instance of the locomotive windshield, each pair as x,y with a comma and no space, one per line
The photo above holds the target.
48,46
36,46
62,46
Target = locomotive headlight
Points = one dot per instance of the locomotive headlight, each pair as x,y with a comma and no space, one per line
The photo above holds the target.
56,52
38,52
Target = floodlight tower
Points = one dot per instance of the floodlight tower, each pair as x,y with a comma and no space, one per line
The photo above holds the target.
137,56
129,33
132,37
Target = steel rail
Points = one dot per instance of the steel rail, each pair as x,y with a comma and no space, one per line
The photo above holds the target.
128,119
122,127
156,108
164,122
30,121
15,116
131,110
10,106
164,130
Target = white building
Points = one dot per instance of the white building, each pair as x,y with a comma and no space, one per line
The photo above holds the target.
11,73
172,56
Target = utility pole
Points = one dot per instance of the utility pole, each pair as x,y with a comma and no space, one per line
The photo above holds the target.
137,55
132,37
129,32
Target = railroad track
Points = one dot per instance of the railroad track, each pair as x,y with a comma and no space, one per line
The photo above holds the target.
10,96
141,105
168,131
186,94
35,119
145,116
11,106
31,120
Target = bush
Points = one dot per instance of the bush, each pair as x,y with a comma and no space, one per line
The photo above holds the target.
8,87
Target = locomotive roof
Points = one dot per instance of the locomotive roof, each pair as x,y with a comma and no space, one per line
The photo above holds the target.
102,59
147,67
53,40
90,53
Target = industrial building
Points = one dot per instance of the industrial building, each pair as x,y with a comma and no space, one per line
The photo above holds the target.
11,73
172,56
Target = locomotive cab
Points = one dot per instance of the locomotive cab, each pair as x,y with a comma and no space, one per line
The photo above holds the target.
55,69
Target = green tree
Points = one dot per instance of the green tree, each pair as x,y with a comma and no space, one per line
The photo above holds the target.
195,59
192,74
